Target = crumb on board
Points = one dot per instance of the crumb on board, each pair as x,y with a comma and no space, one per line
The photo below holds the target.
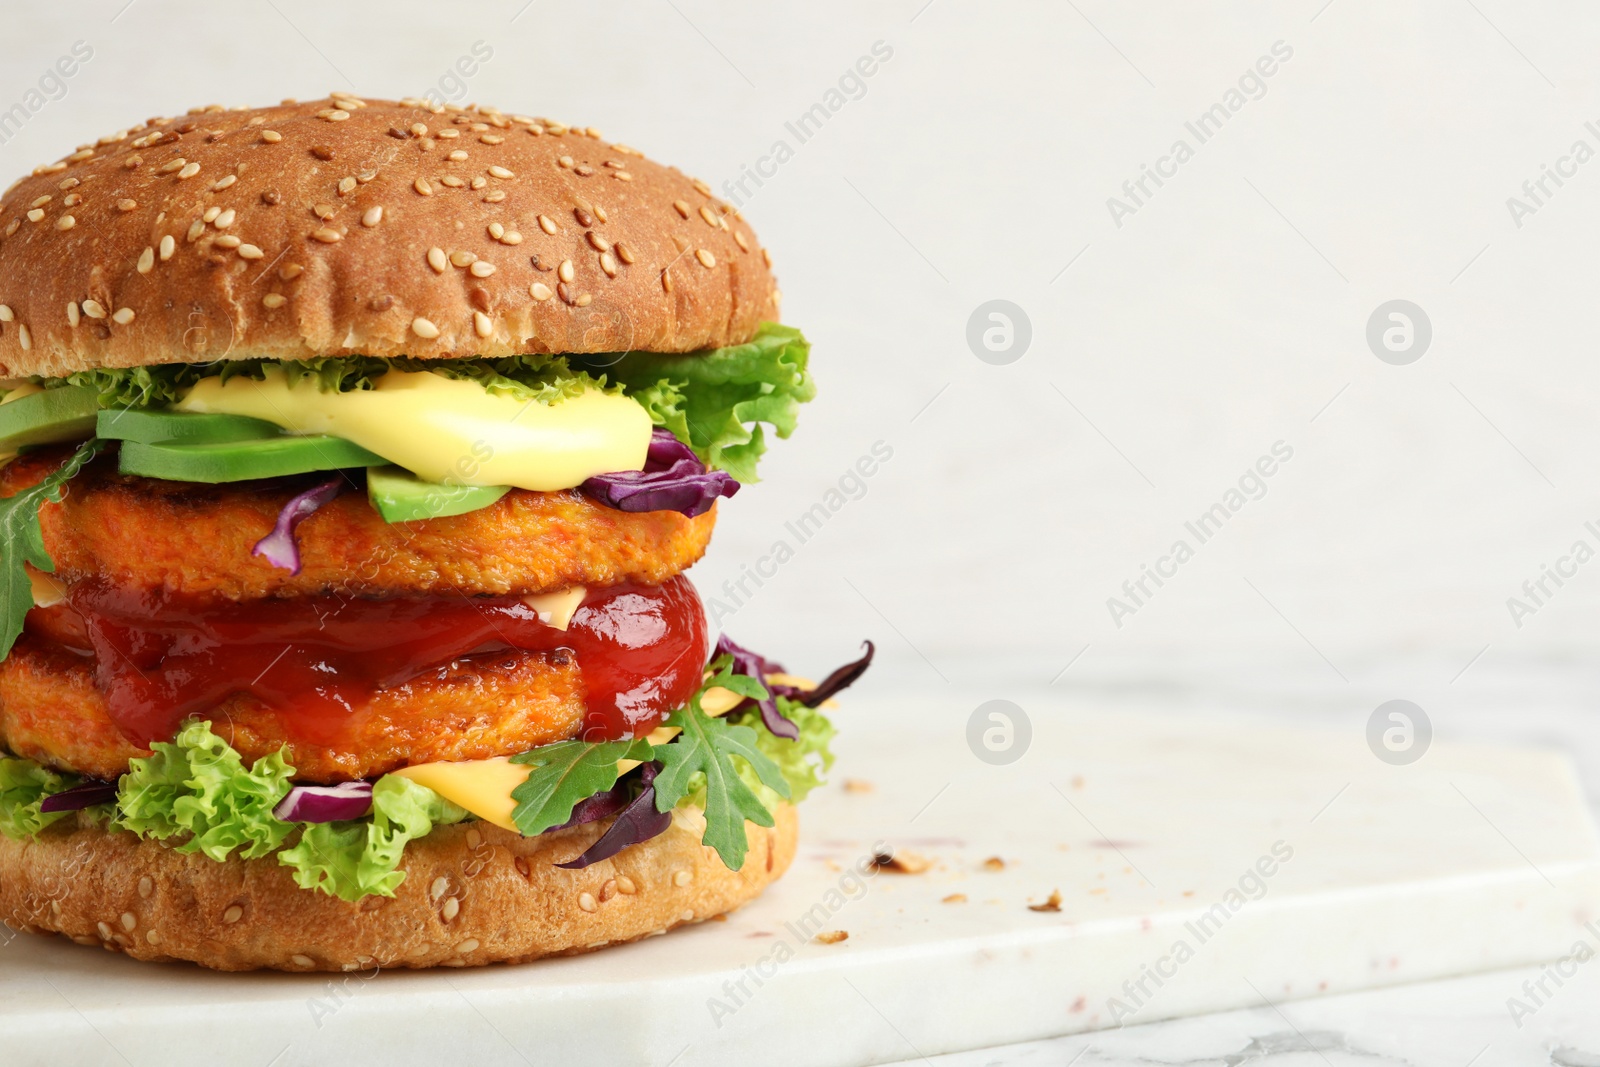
994,863
832,937
1051,903
955,898
857,785
901,861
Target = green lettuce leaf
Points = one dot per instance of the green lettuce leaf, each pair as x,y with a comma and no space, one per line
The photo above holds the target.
717,401
22,542
351,860
564,774
23,785
803,762
707,755
198,785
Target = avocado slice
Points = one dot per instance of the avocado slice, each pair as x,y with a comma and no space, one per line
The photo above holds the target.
400,496
186,427
238,461
64,414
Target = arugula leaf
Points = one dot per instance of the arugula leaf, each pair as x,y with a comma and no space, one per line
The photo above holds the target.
564,774
708,746
22,542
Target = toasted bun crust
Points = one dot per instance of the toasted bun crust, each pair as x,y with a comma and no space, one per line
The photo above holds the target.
306,230
473,895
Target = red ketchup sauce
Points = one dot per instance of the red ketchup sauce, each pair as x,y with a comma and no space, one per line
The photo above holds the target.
315,660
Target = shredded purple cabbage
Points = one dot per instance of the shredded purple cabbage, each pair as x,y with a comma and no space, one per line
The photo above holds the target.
843,678
758,667
673,479
279,547
638,822
325,803
85,794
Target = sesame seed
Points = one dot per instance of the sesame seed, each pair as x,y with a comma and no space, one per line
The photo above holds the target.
66,222
481,324
153,936
6,314
583,170
498,171
326,234
564,272
492,138
565,162
452,181
93,309
705,257
233,914
167,247
494,196
72,313
681,878
228,241
608,890
36,214
210,213
223,182
437,260
42,201
709,215
322,152
189,170
11,227
700,187
682,207
289,271
297,959
469,945
71,200
196,228
146,887
126,204
496,230
463,258
365,176
739,239
274,300
447,134
419,129
324,211
452,908
122,316
172,165
224,220
608,264
421,185
271,136
334,115
347,185
24,338
481,269
539,291
424,329
598,243
440,886
250,252
666,280
624,253
512,237
766,257
104,929
458,156
586,901
372,216
583,300
547,224
147,259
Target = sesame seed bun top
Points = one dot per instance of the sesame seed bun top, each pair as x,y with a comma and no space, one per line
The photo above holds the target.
343,226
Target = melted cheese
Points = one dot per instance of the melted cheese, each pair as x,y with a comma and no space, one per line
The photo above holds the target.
481,786
448,430
555,609
47,589
20,391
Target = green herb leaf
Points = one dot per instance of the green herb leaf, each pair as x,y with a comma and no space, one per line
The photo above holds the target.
709,747
23,786
360,858
22,542
198,785
563,775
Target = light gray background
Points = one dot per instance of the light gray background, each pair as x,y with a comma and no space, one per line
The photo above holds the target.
1228,313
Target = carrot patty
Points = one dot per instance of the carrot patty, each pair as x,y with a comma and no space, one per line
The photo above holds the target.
192,538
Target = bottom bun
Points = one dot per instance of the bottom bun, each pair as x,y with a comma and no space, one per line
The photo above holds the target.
474,894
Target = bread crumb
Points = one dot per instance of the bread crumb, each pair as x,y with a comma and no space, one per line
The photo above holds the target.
902,862
955,898
832,937
857,785
994,863
1052,902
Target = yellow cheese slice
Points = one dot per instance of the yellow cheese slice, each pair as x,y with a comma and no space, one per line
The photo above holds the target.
481,786
448,430
47,589
555,609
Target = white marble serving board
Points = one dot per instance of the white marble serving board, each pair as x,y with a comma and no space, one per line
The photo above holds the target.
1472,858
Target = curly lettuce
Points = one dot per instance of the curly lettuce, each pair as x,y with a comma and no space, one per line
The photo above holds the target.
23,786
351,860
197,785
717,401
